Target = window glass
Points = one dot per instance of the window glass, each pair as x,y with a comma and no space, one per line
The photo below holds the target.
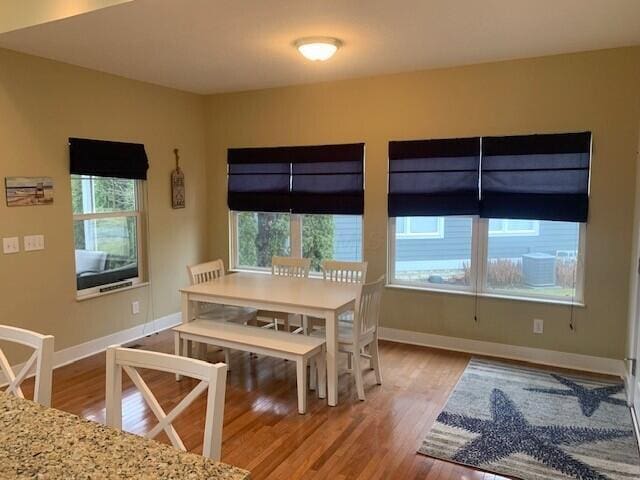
544,264
331,237
106,226
442,261
261,236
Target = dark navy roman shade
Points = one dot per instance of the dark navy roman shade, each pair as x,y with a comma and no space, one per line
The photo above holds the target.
538,177
434,177
328,179
259,179
108,159
325,179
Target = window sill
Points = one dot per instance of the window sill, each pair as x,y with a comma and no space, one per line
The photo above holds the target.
515,298
89,296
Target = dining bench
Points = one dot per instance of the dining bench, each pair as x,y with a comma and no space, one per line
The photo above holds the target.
252,339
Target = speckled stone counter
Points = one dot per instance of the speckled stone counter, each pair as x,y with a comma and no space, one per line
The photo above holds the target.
45,443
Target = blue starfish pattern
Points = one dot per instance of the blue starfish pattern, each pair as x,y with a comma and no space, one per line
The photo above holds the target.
509,432
588,398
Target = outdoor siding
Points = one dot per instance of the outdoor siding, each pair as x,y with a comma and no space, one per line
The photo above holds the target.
456,243
347,238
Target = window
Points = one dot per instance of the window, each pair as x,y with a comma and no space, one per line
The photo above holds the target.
437,258
106,221
420,227
520,258
258,236
505,227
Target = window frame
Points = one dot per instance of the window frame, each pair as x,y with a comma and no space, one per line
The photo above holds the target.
295,241
439,233
479,257
138,214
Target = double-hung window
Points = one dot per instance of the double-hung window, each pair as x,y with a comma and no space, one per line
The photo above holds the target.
524,237
295,201
106,183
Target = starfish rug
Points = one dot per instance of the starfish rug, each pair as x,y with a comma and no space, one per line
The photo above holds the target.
534,424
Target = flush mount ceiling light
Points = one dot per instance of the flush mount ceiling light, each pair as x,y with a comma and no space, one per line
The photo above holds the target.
317,48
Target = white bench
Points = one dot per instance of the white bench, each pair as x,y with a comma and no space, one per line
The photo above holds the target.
271,343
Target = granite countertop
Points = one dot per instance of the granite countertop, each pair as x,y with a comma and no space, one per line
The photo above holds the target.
45,443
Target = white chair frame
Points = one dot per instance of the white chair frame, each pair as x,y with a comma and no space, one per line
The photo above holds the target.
286,267
345,272
42,358
364,333
212,378
207,272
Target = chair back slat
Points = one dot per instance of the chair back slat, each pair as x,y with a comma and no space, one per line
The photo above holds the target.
42,358
206,272
345,272
212,378
290,267
367,311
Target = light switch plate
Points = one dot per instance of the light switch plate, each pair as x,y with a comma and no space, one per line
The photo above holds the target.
33,242
538,326
11,245
135,307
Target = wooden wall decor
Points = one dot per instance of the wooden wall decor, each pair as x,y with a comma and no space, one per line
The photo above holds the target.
177,184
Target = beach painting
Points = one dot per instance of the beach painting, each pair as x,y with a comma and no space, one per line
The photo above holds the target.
26,191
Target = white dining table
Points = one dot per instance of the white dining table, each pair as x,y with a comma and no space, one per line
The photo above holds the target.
303,296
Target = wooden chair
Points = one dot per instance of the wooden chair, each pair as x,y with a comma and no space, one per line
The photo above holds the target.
212,378
363,332
42,358
286,267
207,272
340,272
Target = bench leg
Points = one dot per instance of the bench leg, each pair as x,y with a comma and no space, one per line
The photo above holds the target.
177,343
321,363
301,367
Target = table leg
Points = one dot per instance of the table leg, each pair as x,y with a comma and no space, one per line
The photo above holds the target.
177,344
332,357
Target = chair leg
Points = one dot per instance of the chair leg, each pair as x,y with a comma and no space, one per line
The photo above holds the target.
177,343
301,370
349,361
313,373
375,360
202,351
227,358
357,372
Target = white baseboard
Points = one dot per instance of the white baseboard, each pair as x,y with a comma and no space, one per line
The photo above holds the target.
553,358
83,350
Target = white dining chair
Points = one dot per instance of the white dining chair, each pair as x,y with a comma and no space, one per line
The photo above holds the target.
286,267
212,378
207,272
363,332
41,358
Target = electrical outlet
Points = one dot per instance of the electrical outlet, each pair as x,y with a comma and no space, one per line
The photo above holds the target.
33,242
538,325
135,307
11,245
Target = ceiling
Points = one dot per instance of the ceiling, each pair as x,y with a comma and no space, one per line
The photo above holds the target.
209,46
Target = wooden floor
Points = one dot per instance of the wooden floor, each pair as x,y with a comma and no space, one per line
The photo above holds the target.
375,439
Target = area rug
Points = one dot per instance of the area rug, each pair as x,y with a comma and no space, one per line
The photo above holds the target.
536,425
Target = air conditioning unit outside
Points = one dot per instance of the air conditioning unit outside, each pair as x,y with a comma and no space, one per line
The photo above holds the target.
539,269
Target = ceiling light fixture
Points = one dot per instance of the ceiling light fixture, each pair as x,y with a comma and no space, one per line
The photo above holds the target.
318,48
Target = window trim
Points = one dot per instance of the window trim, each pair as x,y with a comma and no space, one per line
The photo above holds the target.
479,255
92,292
295,238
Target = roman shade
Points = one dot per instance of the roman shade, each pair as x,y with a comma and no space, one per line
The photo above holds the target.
108,159
258,180
328,179
538,177
434,177
306,179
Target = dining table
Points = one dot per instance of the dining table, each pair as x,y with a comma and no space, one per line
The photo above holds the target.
46,443
314,297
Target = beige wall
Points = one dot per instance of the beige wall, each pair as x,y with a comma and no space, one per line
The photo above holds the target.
42,103
595,91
